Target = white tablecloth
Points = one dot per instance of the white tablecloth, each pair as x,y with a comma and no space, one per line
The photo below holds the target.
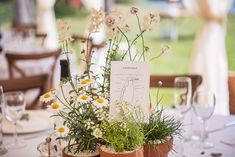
190,150
227,135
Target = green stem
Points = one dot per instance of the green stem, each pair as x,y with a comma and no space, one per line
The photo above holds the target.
151,130
64,104
157,56
64,95
106,64
138,35
128,43
142,37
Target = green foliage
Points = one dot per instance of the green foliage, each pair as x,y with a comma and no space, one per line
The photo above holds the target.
81,113
160,127
124,1
62,10
125,134
230,39
6,13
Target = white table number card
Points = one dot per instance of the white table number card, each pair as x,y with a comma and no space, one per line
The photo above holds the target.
129,82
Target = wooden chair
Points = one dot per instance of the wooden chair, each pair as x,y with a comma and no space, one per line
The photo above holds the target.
28,83
27,29
12,59
231,87
168,81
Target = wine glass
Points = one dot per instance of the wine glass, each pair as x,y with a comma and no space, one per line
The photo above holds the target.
182,101
182,95
15,106
203,107
3,149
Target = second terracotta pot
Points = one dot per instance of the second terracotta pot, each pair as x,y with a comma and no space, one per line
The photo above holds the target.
136,153
158,150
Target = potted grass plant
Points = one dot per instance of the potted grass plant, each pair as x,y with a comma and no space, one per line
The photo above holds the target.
159,132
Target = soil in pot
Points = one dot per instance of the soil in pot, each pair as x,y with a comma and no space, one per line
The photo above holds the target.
105,153
158,150
65,153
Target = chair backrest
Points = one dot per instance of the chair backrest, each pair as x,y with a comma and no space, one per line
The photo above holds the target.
24,29
231,87
12,59
168,81
27,29
28,83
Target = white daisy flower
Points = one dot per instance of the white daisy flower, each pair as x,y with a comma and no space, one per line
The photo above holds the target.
62,130
83,98
97,133
100,102
84,82
54,106
47,97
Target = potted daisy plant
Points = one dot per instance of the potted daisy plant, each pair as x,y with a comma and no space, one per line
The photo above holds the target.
79,102
77,116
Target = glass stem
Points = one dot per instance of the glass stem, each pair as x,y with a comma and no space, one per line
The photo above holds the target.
15,132
203,133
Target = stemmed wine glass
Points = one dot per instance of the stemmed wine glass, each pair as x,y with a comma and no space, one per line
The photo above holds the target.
15,106
182,95
3,149
182,101
203,107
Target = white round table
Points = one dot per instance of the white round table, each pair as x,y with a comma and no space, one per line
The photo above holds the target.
190,150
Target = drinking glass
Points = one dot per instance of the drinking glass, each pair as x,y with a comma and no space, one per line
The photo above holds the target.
3,149
182,95
15,106
203,107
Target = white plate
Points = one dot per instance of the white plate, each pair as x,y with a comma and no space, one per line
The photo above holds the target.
39,120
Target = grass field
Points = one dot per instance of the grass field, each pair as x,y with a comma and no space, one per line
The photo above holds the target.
176,62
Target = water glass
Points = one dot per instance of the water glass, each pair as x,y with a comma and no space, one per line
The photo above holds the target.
15,107
203,107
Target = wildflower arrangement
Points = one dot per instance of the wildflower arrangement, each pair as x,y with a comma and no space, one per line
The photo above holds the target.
82,101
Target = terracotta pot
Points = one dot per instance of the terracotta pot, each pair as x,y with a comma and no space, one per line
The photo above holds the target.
158,150
136,153
65,154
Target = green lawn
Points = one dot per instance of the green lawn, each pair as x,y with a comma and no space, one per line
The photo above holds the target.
175,62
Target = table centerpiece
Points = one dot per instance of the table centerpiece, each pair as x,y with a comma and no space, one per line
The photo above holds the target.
81,103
